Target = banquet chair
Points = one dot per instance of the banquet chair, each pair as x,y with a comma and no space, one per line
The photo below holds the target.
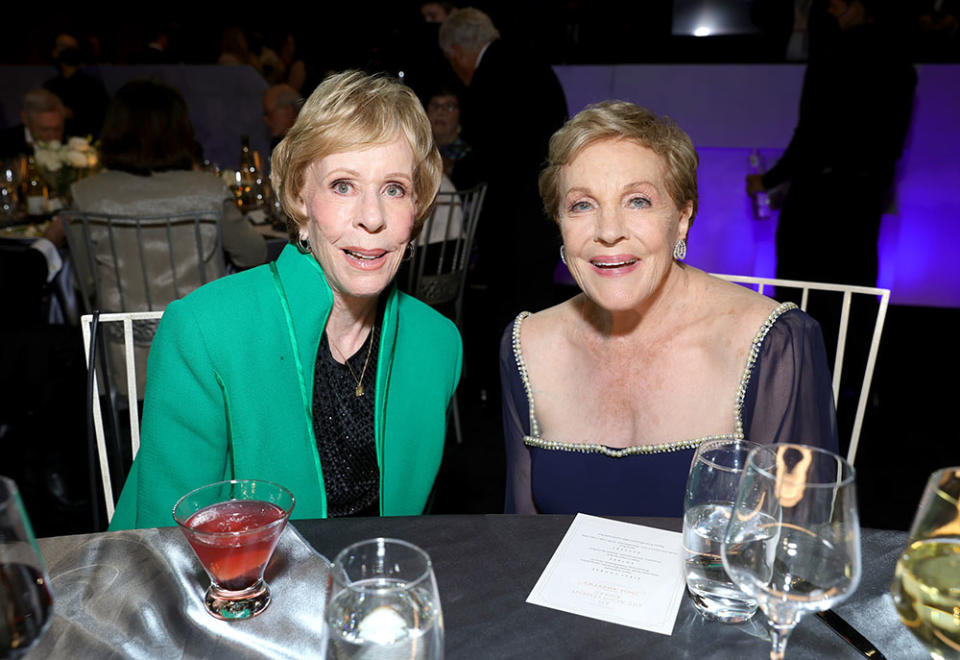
109,401
848,292
139,264
441,258
142,263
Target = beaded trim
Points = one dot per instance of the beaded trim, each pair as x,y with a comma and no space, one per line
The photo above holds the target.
535,439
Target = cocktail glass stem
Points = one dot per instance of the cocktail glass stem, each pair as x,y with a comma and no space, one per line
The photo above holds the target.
778,640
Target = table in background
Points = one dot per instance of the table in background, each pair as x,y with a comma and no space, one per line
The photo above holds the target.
486,566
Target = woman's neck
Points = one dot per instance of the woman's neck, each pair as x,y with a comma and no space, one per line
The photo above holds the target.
349,324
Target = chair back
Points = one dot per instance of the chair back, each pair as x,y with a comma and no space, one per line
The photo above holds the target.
113,405
142,263
848,291
442,257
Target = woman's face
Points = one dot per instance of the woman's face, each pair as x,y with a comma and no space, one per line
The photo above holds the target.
444,114
618,223
360,207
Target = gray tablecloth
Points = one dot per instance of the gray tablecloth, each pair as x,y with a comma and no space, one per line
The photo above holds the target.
137,594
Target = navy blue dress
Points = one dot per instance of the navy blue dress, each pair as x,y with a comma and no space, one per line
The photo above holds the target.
788,398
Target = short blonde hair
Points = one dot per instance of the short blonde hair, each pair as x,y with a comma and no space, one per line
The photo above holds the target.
619,120
350,111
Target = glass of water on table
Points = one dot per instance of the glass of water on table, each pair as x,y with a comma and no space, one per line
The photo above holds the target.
384,603
711,491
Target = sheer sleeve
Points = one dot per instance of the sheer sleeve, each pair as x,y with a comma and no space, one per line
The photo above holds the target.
789,397
516,419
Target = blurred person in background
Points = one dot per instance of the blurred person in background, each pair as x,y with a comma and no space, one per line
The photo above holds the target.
443,109
281,104
84,97
436,12
512,105
43,119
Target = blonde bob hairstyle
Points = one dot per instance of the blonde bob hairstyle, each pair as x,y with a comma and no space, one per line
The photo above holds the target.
619,120
352,111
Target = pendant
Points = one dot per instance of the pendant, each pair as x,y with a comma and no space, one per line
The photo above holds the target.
359,390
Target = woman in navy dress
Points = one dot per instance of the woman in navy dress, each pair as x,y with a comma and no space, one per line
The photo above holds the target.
607,395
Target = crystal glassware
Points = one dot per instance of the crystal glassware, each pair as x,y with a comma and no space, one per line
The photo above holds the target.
793,542
384,603
711,491
926,583
234,527
26,604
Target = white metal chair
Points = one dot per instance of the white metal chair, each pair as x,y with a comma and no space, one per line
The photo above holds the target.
112,394
848,291
441,261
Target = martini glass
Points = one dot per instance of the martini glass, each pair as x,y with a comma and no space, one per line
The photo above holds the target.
234,526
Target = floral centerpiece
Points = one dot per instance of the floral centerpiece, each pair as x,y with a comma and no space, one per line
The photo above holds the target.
61,164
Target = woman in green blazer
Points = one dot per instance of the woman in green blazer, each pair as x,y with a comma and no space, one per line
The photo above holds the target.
313,371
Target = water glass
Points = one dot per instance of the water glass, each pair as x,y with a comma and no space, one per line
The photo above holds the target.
384,603
711,491
926,583
234,527
26,604
793,541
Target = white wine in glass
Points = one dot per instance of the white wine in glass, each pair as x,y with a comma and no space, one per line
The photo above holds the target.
926,583
793,542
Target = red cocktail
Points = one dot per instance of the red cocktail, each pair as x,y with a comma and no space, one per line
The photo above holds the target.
234,526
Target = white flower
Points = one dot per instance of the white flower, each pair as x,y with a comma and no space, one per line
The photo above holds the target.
78,144
75,158
48,160
52,145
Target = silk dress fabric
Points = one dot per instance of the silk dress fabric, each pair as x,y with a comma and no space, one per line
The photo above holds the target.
788,398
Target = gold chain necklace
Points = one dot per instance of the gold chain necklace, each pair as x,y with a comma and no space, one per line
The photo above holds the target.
359,391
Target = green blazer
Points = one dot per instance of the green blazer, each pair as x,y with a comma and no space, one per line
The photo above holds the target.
230,394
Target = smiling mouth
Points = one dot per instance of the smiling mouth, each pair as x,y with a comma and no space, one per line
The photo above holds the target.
612,264
364,257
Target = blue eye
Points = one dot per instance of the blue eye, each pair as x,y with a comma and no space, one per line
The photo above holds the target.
579,206
341,187
639,202
395,190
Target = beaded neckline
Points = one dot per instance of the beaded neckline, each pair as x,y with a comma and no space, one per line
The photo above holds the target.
536,440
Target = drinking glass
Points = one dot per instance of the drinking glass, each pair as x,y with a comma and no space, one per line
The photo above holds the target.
711,491
926,583
25,599
384,603
793,541
234,526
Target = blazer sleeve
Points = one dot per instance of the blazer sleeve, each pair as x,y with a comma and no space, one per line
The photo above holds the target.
516,415
789,397
184,438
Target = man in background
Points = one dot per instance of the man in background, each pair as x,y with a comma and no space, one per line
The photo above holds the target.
42,117
512,105
281,105
84,97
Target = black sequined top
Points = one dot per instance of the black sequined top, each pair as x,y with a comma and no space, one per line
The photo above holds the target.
343,426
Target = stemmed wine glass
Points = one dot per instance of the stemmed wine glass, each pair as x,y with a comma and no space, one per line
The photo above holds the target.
926,584
793,542
26,604
384,603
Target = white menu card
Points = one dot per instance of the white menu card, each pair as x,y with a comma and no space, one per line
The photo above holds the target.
615,571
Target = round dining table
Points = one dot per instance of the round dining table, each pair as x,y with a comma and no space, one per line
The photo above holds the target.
137,594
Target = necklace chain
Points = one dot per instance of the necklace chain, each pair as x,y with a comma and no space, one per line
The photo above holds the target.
359,391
